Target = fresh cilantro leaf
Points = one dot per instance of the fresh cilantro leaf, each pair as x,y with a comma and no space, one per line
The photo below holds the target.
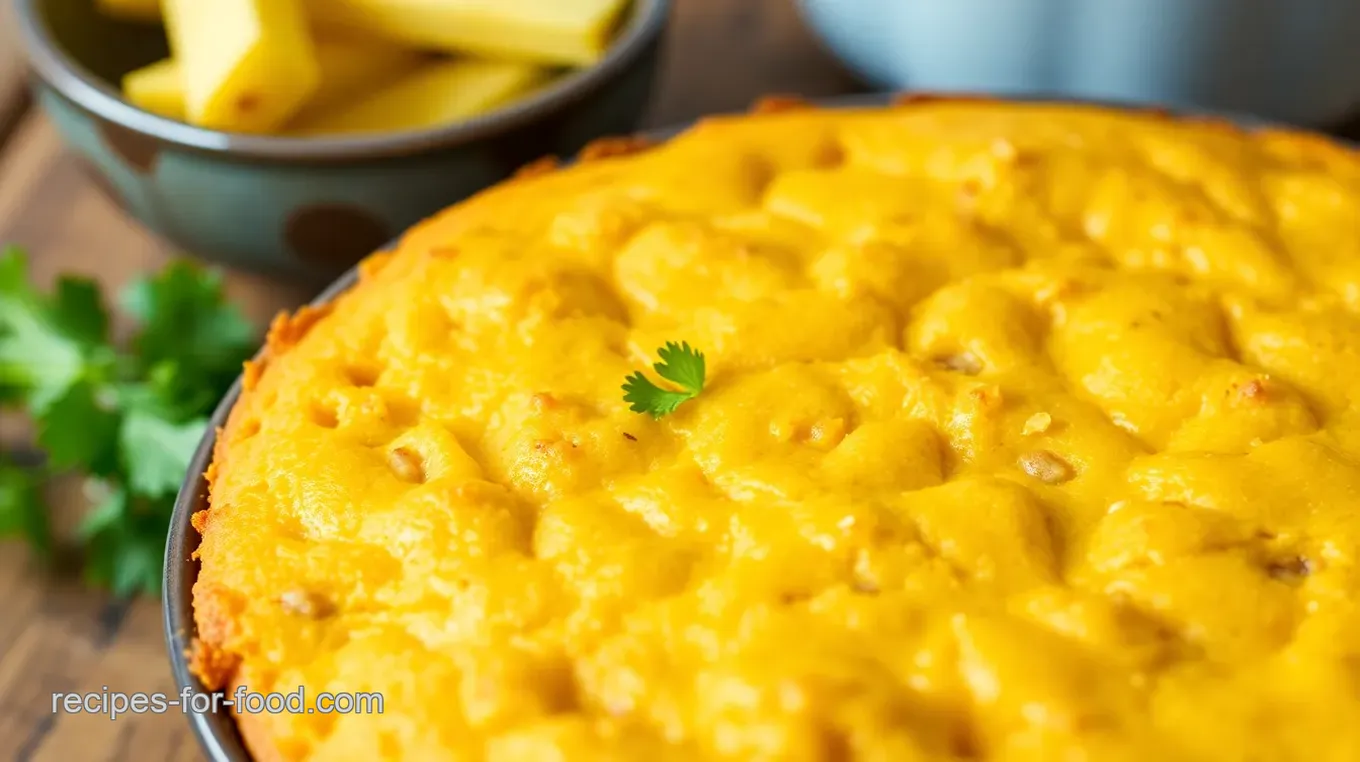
22,513
37,366
157,451
131,420
14,272
161,428
38,362
126,544
647,397
78,311
106,514
80,428
680,365
168,392
186,320
139,565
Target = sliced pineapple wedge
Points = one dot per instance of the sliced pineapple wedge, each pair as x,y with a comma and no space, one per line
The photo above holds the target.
247,65
157,88
436,94
349,68
565,32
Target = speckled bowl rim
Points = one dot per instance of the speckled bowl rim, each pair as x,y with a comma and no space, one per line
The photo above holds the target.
217,733
70,78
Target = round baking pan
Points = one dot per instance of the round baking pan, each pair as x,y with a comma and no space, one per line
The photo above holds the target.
217,731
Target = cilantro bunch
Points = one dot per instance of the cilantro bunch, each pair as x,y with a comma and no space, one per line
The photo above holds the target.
127,418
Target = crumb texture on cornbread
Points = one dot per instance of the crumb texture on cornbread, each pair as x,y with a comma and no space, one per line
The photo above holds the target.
1031,433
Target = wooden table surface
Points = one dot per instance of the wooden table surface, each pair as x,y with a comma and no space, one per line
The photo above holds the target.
57,637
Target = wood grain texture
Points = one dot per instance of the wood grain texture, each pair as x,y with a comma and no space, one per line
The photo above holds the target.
56,636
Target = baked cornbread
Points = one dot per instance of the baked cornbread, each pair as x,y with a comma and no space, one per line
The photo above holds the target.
1030,433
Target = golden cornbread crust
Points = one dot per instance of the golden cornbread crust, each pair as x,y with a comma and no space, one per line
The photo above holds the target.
1032,432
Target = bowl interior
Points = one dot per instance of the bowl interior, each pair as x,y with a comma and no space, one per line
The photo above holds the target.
85,55
106,47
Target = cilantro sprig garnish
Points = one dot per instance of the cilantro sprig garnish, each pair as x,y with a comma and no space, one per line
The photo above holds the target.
128,419
680,365
21,509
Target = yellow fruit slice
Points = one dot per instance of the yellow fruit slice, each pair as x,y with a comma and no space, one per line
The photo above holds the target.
436,94
157,88
570,32
247,65
134,10
353,67
350,68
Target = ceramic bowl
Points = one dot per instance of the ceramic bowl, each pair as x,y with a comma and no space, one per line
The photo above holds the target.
304,208
1293,61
